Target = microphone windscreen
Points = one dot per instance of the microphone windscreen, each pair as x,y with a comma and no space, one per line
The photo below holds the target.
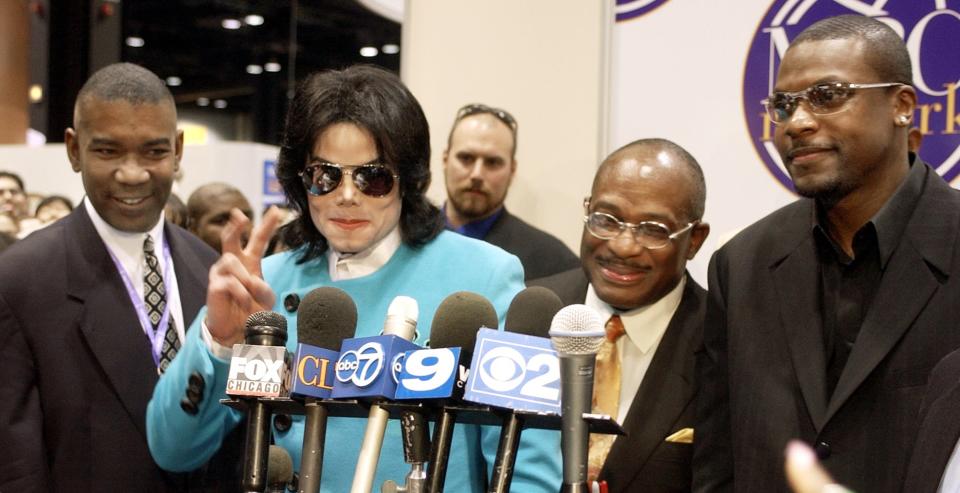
326,317
279,466
457,319
532,311
267,318
577,329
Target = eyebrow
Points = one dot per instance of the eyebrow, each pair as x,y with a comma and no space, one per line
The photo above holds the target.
154,142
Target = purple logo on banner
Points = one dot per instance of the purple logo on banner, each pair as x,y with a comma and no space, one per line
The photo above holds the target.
272,190
931,29
630,9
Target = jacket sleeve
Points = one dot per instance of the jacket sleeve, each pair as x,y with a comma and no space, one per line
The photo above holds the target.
22,452
180,441
538,465
712,452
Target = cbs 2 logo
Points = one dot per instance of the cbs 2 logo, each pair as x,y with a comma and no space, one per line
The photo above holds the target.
503,369
428,369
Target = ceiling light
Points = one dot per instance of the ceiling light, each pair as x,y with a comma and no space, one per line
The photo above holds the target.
203,101
253,20
391,49
36,93
174,81
135,42
220,104
253,69
271,67
231,24
368,51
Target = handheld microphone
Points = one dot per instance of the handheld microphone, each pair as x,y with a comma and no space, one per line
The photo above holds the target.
257,369
401,322
326,316
455,324
530,313
279,469
577,334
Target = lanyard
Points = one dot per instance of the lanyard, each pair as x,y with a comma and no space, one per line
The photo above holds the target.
155,335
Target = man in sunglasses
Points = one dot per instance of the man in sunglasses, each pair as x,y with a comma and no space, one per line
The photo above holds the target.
825,318
478,166
642,223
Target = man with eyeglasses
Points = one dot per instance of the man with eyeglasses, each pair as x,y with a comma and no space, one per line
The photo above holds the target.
478,166
825,318
642,223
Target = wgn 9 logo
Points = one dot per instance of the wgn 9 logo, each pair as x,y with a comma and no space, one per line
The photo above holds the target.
514,371
360,367
428,373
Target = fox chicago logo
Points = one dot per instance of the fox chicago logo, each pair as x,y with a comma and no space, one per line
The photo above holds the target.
257,371
931,30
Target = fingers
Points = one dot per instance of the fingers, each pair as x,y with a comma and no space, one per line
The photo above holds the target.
804,473
260,236
231,237
233,294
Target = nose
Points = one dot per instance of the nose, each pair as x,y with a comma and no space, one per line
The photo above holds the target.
476,169
801,121
131,173
625,244
347,191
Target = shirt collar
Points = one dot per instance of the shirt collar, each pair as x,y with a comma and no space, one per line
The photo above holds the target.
350,266
126,246
645,325
477,229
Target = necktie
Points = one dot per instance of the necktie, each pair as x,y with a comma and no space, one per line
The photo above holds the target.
606,394
155,297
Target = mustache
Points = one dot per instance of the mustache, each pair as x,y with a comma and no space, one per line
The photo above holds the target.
607,261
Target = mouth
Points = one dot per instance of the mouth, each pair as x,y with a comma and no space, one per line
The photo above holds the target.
349,224
130,201
622,274
804,154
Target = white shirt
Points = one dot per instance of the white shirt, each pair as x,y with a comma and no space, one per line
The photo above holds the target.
645,327
128,250
349,266
950,482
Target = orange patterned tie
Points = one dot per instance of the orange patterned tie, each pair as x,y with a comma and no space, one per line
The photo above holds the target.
606,394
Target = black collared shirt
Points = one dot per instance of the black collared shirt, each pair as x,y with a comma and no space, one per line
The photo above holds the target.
848,284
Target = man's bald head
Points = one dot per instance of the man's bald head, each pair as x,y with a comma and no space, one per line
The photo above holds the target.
640,150
208,211
123,82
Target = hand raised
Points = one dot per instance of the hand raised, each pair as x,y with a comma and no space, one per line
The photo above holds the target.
236,288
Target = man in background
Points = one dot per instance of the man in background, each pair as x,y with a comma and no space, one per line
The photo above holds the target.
478,166
208,211
643,223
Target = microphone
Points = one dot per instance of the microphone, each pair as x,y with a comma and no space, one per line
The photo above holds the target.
257,369
577,334
455,324
416,452
279,469
401,322
530,313
326,316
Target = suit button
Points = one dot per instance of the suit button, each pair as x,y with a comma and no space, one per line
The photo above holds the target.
291,303
189,406
196,381
282,422
822,449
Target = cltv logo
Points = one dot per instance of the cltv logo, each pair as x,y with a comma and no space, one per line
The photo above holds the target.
931,30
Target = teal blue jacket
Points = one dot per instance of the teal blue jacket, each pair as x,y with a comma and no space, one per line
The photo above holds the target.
449,263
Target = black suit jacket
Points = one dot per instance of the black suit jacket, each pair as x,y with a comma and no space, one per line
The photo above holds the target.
939,428
540,253
763,368
643,460
77,368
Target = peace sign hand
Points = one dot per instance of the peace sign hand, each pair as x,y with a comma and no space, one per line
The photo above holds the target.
236,288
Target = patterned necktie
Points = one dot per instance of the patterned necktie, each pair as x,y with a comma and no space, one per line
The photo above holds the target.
155,296
606,394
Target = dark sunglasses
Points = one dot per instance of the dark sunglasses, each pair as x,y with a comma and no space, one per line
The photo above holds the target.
824,99
475,109
375,180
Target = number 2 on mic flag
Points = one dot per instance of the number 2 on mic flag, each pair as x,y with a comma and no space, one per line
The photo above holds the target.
514,371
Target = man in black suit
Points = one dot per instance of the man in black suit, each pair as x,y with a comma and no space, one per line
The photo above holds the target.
94,305
825,318
643,223
478,166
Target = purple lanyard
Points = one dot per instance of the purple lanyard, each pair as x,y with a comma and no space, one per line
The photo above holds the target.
157,335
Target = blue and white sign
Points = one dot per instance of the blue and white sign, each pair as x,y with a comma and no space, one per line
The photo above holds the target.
514,371
364,368
428,374
314,373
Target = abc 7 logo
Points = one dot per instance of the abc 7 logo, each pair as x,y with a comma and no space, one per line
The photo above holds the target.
361,366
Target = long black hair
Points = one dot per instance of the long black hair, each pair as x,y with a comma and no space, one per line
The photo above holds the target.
373,99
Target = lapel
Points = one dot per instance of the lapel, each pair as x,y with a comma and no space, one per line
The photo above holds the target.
939,428
570,286
107,321
666,391
922,258
191,273
798,294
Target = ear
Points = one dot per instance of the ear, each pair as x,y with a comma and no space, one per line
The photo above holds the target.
72,143
697,236
178,150
904,105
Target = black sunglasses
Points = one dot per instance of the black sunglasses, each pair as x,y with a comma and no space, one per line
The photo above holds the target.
475,109
375,180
